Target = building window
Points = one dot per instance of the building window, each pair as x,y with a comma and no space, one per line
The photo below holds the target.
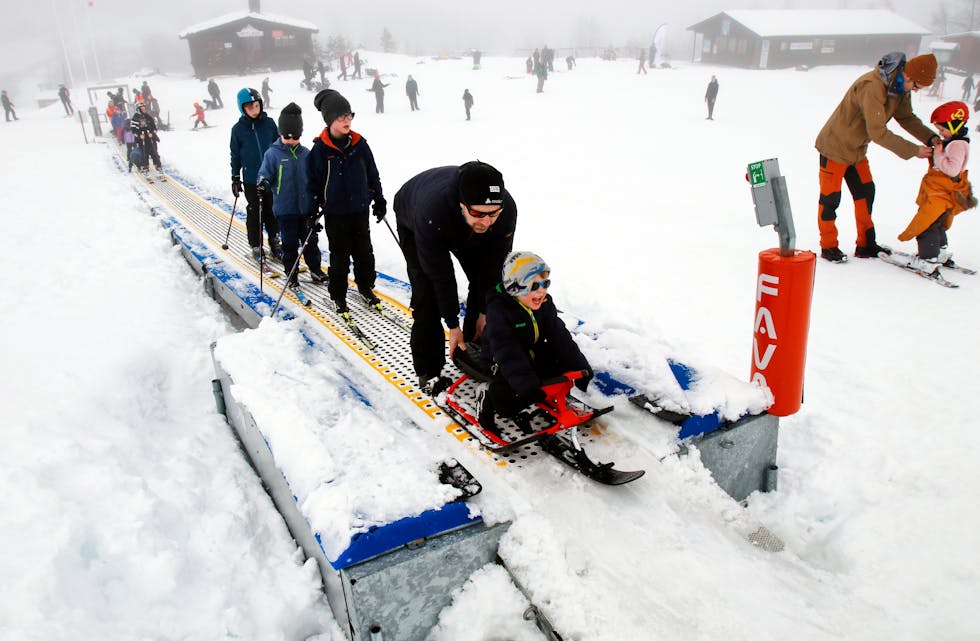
283,39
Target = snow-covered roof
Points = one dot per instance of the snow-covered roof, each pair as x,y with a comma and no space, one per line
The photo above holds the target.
820,22
251,15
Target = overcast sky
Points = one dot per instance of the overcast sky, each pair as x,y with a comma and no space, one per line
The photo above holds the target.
130,30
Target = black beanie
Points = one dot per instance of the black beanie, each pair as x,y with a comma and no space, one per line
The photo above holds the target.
480,184
331,105
291,121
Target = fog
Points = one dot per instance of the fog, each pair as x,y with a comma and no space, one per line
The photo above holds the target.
116,37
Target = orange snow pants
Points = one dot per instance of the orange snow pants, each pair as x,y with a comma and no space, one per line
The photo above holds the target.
862,188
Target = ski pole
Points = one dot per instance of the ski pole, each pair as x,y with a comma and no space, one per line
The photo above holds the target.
393,234
292,271
224,245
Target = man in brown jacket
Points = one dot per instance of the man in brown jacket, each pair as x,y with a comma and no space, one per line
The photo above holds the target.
860,118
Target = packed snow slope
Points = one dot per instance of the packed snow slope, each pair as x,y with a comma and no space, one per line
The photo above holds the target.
130,514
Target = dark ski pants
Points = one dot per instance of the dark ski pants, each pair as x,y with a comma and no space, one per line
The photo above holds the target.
711,108
862,188
933,238
413,101
8,111
428,339
379,103
505,400
258,213
294,230
150,153
467,112
349,236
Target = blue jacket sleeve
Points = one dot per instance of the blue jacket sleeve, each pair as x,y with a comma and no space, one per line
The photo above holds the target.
236,154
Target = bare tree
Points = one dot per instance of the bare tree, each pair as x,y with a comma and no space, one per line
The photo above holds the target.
956,16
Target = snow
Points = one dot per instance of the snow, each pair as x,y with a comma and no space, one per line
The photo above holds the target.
131,514
769,23
262,18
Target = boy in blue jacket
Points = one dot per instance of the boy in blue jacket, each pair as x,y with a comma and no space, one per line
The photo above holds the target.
283,172
343,181
524,342
250,137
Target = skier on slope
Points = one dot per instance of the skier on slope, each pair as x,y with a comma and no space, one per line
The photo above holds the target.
145,131
451,211
250,137
945,190
524,343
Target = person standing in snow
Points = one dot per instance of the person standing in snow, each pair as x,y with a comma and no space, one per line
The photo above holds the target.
541,71
467,102
266,90
642,68
199,114
283,171
250,137
412,90
945,190
525,342
450,211
65,100
357,66
967,88
343,67
378,88
710,96
8,106
215,93
343,179
862,117
145,131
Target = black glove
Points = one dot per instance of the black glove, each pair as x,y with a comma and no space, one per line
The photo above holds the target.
261,188
380,209
583,383
313,222
236,186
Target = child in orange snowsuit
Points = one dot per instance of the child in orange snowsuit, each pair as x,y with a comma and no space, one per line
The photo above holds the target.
945,190
199,112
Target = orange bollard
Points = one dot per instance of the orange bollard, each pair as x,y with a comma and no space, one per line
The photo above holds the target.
783,294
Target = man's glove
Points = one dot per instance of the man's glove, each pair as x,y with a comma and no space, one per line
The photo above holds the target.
583,383
313,222
261,188
380,209
236,186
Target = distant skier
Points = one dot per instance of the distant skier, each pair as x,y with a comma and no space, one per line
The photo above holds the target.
968,88
642,68
862,117
477,55
321,69
65,97
710,96
945,190
357,66
412,90
343,67
344,181
541,71
130,141
199,114
117,121
145,90
283,171
570,61
451,211
378,88
250,137
266,90
467,102
215,93
525,342
145,131
529,65
307,73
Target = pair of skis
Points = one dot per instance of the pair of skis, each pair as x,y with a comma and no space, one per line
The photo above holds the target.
903,259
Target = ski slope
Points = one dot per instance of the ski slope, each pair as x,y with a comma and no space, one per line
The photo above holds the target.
642,210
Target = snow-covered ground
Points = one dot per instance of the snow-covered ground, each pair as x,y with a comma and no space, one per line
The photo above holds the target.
130,514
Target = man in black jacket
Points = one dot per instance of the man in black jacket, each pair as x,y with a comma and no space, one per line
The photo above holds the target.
443,212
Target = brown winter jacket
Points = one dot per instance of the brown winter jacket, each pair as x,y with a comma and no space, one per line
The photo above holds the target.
862,116
938,194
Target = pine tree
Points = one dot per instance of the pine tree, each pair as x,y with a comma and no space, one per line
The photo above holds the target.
387,41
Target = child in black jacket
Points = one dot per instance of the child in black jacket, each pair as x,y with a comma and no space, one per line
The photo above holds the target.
524,342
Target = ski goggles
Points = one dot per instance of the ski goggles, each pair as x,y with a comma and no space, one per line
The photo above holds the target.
484,214
540,284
